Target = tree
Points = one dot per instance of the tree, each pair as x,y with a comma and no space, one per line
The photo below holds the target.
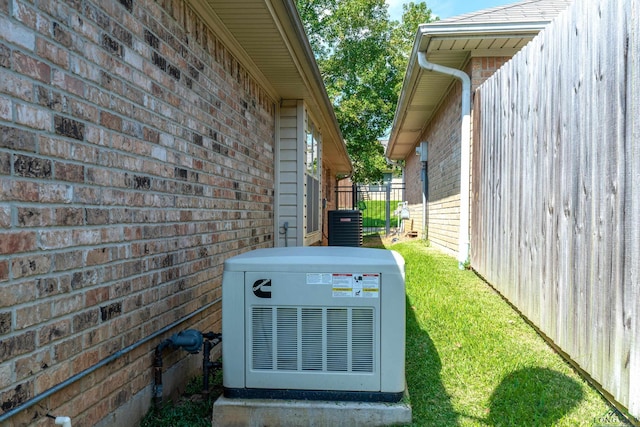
357,49
404,33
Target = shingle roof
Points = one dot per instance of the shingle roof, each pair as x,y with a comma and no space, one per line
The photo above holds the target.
522,11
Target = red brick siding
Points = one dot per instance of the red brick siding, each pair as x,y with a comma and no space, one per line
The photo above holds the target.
443,134
329,190
136,154
484,67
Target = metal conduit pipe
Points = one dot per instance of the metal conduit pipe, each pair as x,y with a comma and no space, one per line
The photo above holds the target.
191,341
5,416
422,151
465,152
425,201
212,339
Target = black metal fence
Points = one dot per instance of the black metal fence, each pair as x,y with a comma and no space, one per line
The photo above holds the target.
379,203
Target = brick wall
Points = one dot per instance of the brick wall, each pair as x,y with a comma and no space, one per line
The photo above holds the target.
335,198
329,189
136,154
484,67
443,134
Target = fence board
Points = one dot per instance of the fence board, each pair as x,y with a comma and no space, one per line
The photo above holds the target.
631,279
557,188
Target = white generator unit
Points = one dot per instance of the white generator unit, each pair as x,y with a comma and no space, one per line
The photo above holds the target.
314,323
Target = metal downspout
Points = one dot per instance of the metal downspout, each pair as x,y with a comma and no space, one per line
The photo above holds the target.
465,154
425,201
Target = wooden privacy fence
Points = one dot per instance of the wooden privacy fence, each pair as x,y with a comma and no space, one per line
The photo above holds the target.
556,188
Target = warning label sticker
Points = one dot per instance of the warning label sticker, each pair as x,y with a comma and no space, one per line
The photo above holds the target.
342,279
356,285
341,292
319,279
370,285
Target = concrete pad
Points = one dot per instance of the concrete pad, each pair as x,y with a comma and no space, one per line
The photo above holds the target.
239,412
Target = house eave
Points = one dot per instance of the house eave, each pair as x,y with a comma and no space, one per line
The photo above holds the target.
452,45
268,37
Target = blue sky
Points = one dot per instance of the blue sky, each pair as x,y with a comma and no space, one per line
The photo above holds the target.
447,8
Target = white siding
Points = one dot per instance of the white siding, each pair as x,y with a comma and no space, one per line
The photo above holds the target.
290,165
291,184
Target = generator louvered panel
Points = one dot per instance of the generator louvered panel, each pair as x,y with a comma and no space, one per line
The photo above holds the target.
337,340
313,339
262,339
362,321
287,339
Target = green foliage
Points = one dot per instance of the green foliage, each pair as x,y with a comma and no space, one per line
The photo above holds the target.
358,50
193,409
404,33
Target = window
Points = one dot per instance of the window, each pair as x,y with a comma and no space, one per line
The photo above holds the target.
313,170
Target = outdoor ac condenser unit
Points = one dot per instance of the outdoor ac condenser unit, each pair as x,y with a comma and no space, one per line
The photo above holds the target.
321,323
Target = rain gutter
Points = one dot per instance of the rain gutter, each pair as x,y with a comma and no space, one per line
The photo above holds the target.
465,152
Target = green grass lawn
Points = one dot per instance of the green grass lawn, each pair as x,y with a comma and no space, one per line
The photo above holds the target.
473,361
374,213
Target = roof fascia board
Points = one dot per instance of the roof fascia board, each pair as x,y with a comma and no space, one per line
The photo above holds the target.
429,32
435,28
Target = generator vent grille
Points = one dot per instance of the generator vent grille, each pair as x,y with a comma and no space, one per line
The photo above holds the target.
323,339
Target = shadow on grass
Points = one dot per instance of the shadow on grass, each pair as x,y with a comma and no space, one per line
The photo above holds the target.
533,396
527,397
430,403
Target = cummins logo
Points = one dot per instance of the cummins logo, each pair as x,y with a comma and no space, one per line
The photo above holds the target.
262,288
